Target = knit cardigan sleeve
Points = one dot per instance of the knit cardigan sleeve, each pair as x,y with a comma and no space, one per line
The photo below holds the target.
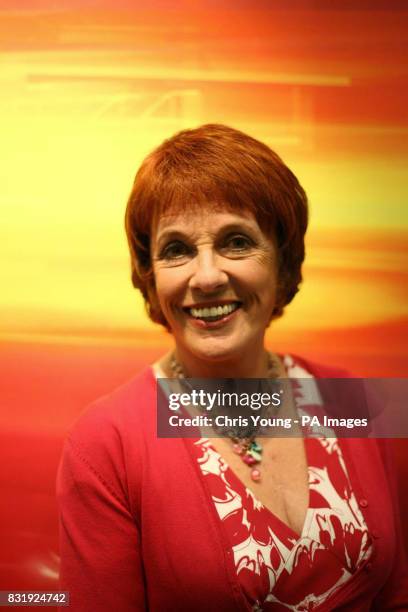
100,542
394,594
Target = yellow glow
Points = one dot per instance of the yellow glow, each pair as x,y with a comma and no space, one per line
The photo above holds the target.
72,149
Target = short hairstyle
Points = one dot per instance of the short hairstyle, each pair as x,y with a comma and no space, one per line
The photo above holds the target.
215,164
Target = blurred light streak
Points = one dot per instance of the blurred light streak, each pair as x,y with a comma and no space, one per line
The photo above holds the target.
95,90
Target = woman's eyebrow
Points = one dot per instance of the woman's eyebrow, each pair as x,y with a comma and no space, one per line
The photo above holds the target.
188,233
172,232
236,226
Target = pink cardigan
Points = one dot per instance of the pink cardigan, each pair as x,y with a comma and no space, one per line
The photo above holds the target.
139,530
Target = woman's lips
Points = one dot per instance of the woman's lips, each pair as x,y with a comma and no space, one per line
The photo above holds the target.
201,324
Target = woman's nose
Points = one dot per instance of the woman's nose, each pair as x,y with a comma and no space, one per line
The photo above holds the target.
208,276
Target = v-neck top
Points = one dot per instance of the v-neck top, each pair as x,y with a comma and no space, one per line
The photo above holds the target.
140,529
271,560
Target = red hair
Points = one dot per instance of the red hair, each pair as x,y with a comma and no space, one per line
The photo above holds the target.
216,164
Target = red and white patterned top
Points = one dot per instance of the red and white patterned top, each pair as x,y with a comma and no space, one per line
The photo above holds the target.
278,569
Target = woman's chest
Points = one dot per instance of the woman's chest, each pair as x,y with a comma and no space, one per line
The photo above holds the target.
302,525
283,487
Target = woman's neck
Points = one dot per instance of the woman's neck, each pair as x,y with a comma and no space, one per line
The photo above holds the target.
251,365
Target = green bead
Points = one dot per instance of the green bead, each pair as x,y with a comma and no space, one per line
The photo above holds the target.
256,447
256,455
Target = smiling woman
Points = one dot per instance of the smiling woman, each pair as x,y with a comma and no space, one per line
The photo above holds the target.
215,223
216,219
216,286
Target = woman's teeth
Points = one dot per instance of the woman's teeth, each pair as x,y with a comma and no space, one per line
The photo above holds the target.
213,313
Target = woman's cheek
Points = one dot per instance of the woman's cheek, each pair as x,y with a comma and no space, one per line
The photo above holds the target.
169,285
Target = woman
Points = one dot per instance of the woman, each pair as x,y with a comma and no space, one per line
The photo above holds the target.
215,223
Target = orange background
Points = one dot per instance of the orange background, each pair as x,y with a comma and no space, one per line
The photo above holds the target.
88,89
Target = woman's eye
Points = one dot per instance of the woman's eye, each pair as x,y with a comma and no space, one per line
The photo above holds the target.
174,250
239,243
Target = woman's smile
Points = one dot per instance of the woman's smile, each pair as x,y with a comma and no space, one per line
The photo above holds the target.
213,314
215,279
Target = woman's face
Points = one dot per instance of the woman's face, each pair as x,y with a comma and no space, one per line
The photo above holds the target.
216,275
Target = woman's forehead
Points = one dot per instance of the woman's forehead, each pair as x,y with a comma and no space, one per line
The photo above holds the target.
214,217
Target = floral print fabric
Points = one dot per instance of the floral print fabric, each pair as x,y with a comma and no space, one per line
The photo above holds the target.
278,569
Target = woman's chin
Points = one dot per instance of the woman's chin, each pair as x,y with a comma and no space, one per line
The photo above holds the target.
216,350
228,343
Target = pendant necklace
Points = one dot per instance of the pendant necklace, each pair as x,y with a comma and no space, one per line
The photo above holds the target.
244,443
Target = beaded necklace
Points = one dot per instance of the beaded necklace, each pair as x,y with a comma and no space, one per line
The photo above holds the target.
246,447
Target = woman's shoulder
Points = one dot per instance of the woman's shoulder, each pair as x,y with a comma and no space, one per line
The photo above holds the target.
108,420
300,366
102,453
